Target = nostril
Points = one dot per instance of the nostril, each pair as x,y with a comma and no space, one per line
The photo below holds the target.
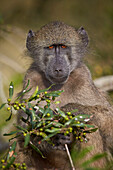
58,70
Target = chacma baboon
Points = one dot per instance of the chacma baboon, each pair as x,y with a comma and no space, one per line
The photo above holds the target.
57,51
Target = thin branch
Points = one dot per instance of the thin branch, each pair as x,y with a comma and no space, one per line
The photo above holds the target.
2,94
70,159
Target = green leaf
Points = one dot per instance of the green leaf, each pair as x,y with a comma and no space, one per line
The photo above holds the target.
24,109
9,116
53,130
49,136
68,122
48,125
33,116
11,90
11,161
34,94
44,90
54,93
80,125
14,137
48,118
41,110
57,124
81,117
27,139
48,110
89,126
31,110
2,105
61,112
39,124
25,120
90,130
22,93
36,149
12,148
27,84
25,91
21,128
11,133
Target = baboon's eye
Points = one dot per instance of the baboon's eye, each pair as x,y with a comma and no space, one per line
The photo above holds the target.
51,47
63,46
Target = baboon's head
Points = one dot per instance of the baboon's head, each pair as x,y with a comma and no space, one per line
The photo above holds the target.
57,49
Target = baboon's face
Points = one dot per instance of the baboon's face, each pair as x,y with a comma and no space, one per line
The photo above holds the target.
57,50
57,63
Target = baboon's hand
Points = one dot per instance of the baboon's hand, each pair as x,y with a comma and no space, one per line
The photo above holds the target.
60,140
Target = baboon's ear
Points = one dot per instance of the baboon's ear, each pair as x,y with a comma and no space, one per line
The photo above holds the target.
81,31
30,36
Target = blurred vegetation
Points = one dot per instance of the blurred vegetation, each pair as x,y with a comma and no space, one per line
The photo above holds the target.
17,17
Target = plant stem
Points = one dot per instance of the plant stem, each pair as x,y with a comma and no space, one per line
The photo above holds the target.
70,159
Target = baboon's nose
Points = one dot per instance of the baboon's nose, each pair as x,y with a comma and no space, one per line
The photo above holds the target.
58,71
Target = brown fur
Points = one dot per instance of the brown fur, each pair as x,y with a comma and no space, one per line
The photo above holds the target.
79,92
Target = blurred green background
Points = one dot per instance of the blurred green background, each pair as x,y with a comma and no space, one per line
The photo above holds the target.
18,16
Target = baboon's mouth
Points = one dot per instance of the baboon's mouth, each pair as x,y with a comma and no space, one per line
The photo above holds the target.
58,80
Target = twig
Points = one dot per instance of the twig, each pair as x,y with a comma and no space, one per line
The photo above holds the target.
68,153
